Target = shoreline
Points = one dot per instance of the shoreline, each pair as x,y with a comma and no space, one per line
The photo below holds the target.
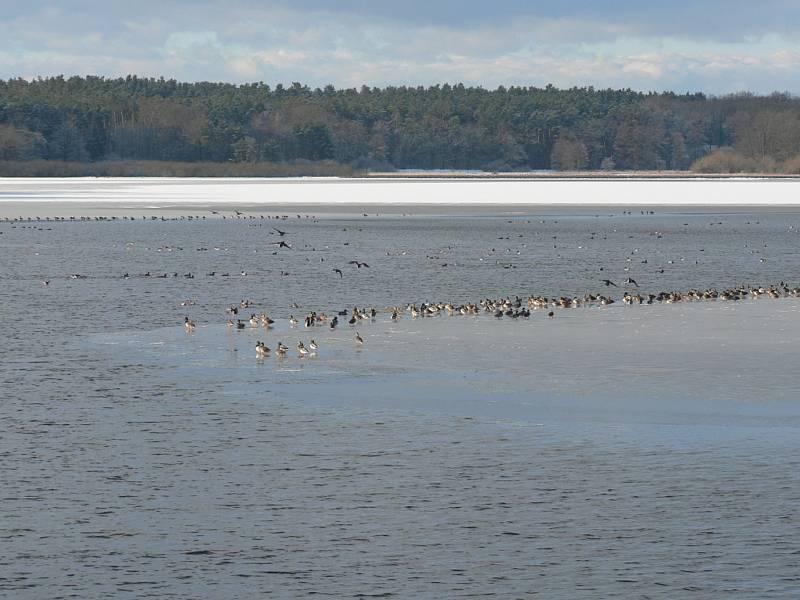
411,174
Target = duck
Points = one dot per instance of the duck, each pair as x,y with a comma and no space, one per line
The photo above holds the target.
313,345
359,339
189,325
293,321
261,350
302,350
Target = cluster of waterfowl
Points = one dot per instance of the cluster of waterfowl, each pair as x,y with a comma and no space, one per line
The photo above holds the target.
513,307
262,351
235,214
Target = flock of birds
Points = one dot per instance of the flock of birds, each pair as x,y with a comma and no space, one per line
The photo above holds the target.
508,307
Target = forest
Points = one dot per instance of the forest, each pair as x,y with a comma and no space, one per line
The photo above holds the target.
97,125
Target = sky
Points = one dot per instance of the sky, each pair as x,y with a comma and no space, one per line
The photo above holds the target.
712,46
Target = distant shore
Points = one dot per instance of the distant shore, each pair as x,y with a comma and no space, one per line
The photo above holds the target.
574,175
42,169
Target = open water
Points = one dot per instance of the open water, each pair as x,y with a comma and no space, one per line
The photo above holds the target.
638,452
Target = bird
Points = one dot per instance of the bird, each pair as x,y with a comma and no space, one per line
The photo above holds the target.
339,271
292,320
280,233
313,345
608,282
189,325
359,339
630,281
282,244
281,350
261,350
238,214
46,282
301,349
358,264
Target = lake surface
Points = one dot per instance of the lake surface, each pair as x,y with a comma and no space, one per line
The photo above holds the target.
633,451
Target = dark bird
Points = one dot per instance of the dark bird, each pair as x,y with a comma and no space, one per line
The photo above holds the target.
608,282
282,245
630,281
213,212
339,271
280,233
358,264
238,214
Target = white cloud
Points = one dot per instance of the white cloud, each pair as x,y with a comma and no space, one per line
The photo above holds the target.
315,45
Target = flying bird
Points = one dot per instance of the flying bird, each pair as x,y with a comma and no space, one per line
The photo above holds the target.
630,281
280,233
339,271
358,264
608,282
282,244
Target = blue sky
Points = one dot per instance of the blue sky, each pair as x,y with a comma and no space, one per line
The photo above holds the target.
713,46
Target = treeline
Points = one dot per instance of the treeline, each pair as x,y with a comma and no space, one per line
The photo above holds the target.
95,120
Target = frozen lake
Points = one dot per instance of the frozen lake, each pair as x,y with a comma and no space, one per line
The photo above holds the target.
633,451
133,193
